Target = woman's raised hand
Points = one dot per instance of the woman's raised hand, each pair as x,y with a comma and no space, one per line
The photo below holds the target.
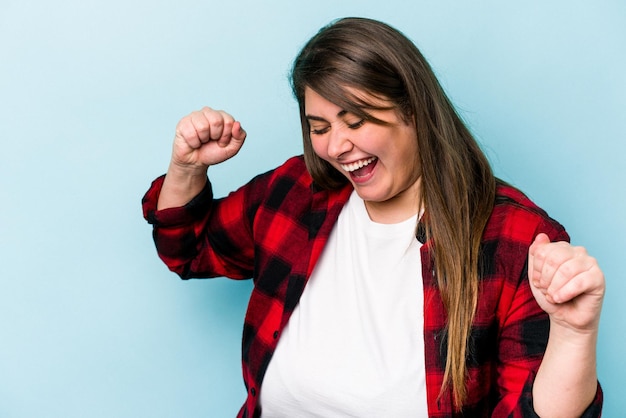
203,138
206,137
567,283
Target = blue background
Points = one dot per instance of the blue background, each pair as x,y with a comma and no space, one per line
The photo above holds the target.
93,325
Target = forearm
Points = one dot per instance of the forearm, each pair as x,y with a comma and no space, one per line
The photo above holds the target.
180,186
566,382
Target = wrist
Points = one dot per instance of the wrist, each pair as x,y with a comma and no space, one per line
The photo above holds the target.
186,171
182,183
563,334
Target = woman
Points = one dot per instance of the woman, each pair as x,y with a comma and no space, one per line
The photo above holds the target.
394,275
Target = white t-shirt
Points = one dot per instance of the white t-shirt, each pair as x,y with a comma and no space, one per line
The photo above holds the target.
354,346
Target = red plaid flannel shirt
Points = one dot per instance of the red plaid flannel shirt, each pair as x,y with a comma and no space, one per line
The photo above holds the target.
273,230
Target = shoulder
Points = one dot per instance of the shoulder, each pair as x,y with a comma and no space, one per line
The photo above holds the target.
295,169
284,178
290,173
293,179
292,164
289,188
515,217
290,180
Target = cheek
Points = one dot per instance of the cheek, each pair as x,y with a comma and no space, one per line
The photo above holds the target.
319,147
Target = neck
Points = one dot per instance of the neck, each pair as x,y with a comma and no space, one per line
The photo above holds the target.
397,209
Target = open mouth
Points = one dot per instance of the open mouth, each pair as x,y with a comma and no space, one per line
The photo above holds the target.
359,168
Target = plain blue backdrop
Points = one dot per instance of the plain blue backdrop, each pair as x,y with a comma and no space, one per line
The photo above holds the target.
93,325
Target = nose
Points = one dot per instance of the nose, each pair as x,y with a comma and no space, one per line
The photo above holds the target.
339,142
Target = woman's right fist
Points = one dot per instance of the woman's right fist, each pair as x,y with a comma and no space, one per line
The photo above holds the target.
206,137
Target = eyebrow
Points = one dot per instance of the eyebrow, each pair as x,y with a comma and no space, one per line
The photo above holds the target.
320,119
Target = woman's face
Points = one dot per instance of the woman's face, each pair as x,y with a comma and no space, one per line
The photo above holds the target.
381,161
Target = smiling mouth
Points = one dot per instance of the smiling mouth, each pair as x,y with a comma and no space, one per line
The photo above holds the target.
352,167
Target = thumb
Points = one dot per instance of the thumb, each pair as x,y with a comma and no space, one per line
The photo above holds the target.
237,138
540,240
238,132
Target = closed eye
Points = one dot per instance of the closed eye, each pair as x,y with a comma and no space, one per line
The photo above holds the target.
356,125
320,131
317,129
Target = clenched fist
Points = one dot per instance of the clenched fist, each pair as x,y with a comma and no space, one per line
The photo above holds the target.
567,283
203,138
206,137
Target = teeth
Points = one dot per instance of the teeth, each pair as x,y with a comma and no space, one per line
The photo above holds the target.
357,164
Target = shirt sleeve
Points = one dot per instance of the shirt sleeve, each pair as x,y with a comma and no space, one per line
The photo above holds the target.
522,342
526,402
207,237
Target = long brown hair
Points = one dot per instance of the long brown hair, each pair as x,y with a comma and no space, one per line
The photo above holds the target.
458,185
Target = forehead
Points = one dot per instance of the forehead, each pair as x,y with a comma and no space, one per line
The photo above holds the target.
316,104
346,99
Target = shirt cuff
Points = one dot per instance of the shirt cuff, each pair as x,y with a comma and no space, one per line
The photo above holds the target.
186,214
594,410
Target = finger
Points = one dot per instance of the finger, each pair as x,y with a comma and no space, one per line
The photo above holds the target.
575,277
186,131
238,132
560,262
535,264
203,124
227,129
236,141
216,120
546,258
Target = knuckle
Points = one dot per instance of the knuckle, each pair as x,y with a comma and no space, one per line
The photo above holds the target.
202,125
186,131
551,262
578,250
567,270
